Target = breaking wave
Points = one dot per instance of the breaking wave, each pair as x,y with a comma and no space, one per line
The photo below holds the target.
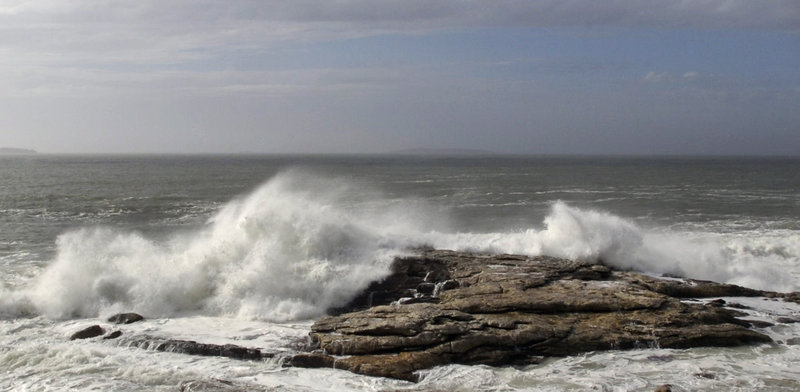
289,250
756,260
300,244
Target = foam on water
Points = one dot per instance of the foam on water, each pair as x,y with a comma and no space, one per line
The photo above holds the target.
290,250
756,260
300,244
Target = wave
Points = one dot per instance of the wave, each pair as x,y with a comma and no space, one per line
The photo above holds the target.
289,250
301,244
756,260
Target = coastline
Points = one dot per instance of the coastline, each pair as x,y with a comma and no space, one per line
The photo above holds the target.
442,307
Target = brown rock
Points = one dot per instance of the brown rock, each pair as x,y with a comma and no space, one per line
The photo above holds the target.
194,348
510,309
311,360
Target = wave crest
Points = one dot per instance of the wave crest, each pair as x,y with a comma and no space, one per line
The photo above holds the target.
287,251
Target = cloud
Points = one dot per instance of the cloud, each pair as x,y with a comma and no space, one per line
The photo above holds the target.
95,38
685,77
168,32
72,81
654,76
199,70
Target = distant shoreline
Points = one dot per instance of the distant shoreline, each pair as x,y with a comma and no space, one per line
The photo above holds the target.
442,151
9,150
411,153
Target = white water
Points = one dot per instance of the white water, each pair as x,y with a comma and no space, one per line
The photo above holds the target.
756,260
299,245
269,261
289,250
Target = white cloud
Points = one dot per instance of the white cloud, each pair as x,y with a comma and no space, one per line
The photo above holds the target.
144,65
653,76
149,31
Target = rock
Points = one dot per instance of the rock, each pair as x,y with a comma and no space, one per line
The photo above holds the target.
113,335
791,297
717,302
508,309
661,358
786,320
759,323
86,333
125,318
448,285
194,348
664,388
311,360
737,305
426,288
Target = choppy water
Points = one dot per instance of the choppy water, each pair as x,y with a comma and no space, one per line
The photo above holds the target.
248,249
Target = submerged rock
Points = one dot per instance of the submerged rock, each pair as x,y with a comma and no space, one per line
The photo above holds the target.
508,309
113,335
194,348
125,318
89,332
217,385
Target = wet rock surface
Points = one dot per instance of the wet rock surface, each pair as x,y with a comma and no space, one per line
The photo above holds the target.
191,347
442,307
88,332
113,335
125,318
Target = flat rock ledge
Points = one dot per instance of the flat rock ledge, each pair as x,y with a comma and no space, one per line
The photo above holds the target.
441,307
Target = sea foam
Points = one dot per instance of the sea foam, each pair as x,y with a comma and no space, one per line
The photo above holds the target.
757,260
289,250
301,244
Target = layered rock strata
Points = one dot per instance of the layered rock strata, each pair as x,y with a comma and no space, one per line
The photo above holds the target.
442,307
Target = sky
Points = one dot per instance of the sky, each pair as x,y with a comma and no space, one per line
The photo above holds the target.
660,77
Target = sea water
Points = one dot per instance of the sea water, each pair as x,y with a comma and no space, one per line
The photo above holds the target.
250,250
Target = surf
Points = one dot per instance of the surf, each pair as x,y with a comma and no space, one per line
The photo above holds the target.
302,243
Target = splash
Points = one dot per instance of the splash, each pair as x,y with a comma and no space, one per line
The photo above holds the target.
301,244
755,260
289,250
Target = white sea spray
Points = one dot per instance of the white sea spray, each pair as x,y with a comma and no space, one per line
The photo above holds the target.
301,244
591,235
289,250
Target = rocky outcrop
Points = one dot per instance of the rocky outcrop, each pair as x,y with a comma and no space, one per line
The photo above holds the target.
445,307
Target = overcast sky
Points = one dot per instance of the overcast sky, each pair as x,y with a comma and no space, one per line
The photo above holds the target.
352,76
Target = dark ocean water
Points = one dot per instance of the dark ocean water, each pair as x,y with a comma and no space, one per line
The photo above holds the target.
42,195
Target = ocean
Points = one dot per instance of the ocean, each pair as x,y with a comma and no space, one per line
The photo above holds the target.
250,250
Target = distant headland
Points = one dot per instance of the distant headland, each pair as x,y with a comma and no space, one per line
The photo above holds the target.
9,150
441,151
